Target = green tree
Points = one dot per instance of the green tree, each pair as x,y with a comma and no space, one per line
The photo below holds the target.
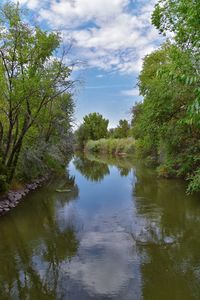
159,122
182,18
32,81
122,130
94,127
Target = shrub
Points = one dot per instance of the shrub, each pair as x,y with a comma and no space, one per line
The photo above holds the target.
111,146
194,185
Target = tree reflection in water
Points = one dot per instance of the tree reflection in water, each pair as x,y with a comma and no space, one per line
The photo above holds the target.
166,234
92,170
96,167
32,270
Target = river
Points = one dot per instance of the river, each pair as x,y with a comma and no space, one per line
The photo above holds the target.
109,229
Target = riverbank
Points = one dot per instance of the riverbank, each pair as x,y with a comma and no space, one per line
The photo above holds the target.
123,146
11,199
130,146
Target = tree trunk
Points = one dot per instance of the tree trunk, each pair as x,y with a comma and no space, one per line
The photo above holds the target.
1,135
14,163
9,138
13,159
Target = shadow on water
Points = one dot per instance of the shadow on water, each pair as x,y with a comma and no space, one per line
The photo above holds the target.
113,231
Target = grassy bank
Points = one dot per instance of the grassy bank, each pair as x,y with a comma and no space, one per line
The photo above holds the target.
124,146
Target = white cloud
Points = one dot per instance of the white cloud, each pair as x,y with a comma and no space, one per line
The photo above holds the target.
73,12
110,35
132,92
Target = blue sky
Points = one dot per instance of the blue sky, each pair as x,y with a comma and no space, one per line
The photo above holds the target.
109,40
111,94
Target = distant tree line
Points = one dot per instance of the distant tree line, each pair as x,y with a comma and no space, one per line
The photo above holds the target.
95,127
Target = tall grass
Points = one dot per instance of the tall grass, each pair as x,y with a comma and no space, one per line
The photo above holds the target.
111,146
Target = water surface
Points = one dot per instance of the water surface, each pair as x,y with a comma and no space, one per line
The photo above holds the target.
119,233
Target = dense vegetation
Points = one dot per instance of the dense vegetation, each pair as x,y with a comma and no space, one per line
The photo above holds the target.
121,131
94,127
36,105
93,135
167,123
112,146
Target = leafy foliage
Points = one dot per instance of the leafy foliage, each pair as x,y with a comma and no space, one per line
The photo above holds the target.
167,123
35,101
182,18
112,146
121,131
94,127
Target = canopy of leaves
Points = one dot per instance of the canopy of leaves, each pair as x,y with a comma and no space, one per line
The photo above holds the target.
121,131
94,127
35,101
160,122
182,19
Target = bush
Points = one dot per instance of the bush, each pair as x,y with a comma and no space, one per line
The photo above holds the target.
111,146
194,185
